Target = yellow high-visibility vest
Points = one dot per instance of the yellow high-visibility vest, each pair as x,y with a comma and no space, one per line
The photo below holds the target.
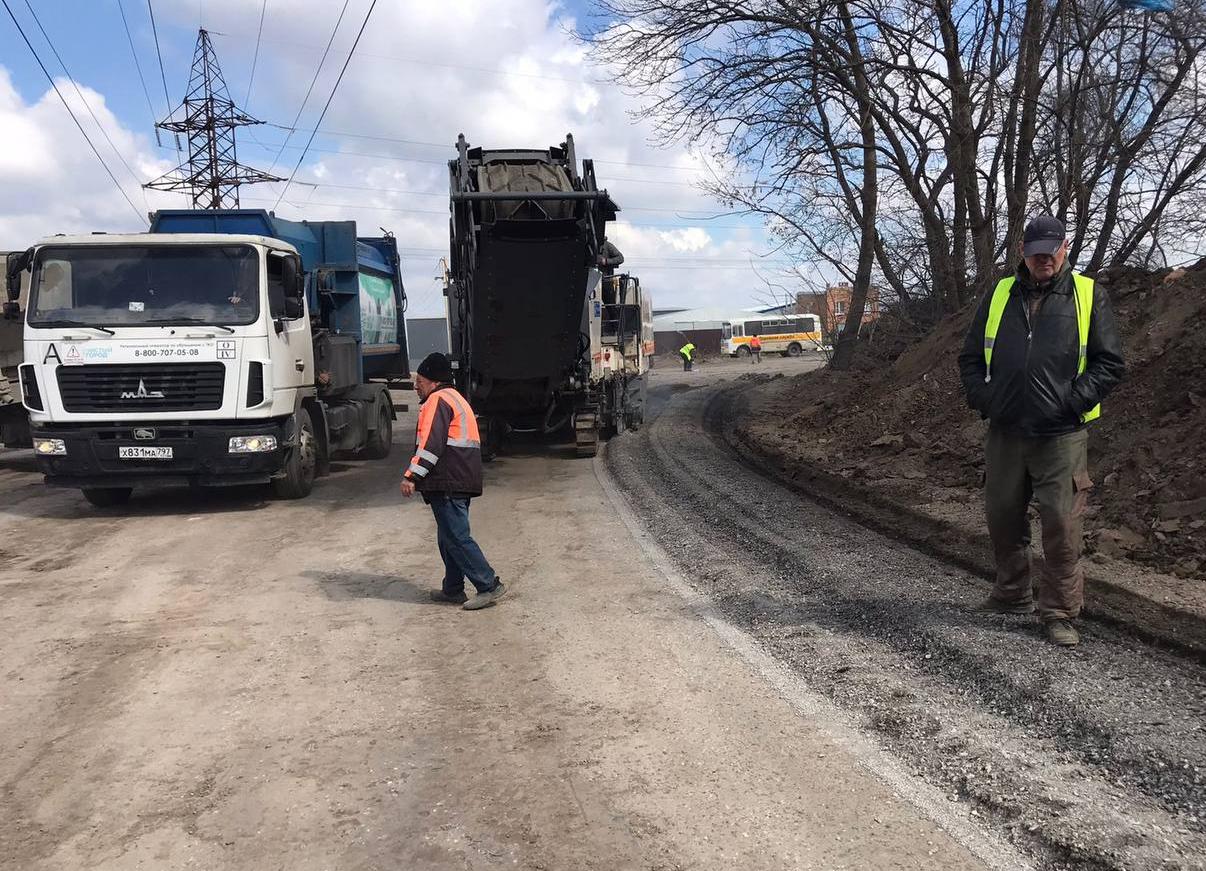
1084,313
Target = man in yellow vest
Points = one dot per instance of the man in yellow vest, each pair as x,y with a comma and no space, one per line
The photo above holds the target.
688,354
1042,353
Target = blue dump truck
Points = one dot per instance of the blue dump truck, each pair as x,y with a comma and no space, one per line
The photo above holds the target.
219,348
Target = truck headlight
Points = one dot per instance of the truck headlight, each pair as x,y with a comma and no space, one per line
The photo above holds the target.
252,444
50,447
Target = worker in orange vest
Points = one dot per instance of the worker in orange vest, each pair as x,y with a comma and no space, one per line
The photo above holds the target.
756,349
446,471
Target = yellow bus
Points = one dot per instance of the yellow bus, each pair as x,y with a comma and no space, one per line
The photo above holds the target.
789,335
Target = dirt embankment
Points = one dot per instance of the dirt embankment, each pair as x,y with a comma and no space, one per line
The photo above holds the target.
898,426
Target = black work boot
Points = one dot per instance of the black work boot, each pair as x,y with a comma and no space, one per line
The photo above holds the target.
996,606
448,598
486,599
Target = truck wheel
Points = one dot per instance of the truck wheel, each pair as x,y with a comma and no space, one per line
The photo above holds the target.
794,349
107,497
301,465
381,440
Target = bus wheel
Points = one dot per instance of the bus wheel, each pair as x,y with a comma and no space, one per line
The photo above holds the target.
743,350
794,349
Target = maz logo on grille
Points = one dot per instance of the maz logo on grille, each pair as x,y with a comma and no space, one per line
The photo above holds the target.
142,392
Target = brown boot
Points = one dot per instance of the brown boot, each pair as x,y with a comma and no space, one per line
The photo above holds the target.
1062,633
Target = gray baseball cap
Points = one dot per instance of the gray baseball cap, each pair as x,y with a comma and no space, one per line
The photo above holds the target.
1043,235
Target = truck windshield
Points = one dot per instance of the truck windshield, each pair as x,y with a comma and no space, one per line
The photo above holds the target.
144,285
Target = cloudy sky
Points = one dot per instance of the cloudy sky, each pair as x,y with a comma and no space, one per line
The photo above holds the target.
506,73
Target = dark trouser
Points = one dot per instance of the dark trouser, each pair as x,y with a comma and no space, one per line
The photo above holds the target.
686,363
461,554
1053,471
758,355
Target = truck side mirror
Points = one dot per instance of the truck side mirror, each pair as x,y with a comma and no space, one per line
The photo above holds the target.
16,265
295,289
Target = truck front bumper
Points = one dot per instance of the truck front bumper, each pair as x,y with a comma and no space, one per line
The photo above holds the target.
200,454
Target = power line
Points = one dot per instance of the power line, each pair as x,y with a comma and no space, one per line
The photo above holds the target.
209,117
138,66
84,100
256,57
493,71
436,162
310,89
449,146
699,216
440,195
162,75
67,106
348,61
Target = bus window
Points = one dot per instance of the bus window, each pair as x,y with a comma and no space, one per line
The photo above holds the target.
738,329
753,328
726,331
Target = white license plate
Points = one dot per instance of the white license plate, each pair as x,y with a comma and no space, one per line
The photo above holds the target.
137,452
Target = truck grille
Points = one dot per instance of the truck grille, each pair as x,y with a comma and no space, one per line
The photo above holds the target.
138,387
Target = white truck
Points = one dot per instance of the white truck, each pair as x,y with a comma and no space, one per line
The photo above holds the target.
220,348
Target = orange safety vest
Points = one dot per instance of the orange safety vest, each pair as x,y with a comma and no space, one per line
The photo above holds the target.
448,448
755,344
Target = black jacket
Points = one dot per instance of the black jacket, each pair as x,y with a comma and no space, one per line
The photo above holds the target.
609,258
448,452
1035,389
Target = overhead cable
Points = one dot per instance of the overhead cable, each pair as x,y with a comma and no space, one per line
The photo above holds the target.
141,216
321,117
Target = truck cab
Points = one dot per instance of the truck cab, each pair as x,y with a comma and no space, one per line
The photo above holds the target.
190,355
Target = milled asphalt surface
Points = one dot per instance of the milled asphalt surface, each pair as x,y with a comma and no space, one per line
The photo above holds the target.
1086,758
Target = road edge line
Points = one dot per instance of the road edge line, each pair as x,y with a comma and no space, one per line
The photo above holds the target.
828,719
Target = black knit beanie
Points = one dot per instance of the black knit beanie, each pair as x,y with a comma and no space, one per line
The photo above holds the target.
435,367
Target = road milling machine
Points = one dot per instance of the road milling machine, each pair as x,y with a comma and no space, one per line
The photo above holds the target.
540,339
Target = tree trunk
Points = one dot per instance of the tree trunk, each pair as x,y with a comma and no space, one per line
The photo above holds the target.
1026,90
844,352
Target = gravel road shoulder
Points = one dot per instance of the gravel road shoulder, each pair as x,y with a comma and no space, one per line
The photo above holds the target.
1092,758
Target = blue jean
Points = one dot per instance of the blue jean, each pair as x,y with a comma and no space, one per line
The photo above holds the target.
461,554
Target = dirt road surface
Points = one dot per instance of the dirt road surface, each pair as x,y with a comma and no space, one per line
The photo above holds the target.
221,681
693,670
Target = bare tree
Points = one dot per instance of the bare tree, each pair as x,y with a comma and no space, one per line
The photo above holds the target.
904,143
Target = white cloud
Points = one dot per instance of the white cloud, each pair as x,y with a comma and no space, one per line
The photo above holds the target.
504,72
50,182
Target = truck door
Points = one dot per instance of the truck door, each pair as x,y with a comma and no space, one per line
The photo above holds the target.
289,340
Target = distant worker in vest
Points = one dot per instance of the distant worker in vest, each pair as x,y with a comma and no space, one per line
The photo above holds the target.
756,349
1042,353
447,470
688,353
609,258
